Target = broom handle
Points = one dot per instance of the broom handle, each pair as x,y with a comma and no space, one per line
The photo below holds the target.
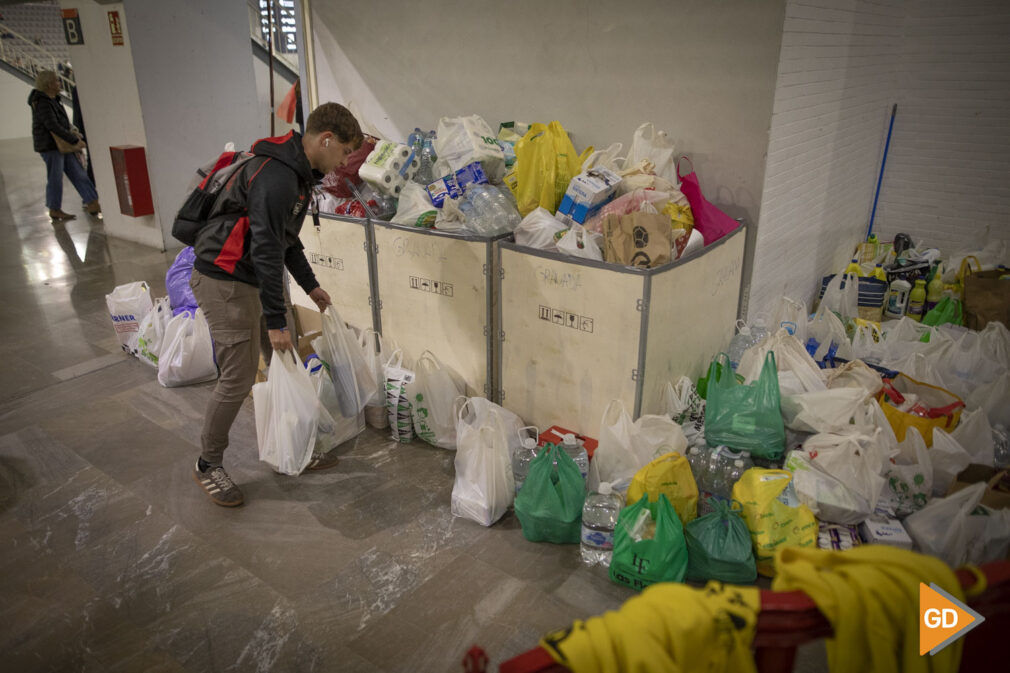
883,162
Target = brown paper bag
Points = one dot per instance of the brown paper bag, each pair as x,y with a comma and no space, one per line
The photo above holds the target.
986,298
640,239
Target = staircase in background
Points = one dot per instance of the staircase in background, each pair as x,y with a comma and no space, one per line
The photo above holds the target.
24,58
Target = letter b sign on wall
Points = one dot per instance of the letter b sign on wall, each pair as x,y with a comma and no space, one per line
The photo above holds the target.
72,27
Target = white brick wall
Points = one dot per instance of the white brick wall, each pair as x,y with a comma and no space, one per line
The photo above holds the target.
947,180
836,81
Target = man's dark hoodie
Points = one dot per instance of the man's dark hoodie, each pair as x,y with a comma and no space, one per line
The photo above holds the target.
48,116
252,231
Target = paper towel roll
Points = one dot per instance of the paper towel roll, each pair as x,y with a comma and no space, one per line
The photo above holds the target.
377,175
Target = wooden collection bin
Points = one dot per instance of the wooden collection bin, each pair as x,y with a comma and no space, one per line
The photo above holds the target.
437,291
338,251
577,333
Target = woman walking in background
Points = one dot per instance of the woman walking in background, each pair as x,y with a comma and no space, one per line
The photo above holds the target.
49,122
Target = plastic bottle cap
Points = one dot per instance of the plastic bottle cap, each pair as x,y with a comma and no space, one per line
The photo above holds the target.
605,488
568,439
529,443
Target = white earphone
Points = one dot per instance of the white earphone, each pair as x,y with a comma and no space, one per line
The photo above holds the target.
327,142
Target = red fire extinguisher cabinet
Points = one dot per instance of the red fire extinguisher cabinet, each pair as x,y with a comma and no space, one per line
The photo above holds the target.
129,165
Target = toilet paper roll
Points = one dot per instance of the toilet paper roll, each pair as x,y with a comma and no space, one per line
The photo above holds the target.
377,175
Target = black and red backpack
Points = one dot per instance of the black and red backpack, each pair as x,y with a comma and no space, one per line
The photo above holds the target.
204,189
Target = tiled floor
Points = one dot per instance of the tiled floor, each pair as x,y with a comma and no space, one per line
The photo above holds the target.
113,560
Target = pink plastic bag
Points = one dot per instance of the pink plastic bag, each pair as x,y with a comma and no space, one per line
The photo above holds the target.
709,220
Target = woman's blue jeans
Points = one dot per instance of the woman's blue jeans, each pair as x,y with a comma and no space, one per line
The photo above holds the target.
56,165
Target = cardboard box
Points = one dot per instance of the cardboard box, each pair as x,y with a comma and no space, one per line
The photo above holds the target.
554,434
836,537
882,530
588,192
997,496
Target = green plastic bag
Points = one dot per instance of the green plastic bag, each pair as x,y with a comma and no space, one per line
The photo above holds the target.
947,310
745,417
639,560
702,386
549,505
719,547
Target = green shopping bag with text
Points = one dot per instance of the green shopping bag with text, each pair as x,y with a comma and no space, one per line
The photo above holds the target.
649,545
549,505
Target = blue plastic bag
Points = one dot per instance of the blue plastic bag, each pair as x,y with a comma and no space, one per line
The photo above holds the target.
177,282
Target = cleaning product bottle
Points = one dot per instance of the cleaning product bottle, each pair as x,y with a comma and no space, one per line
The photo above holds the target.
897,298
934,289
869,250
854,267
879,273
917,300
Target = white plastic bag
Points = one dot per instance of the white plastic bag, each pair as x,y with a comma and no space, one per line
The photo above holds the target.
996,338
151,335
994,399
539,230
855,374
609,158
656,436
397,377
958,531
614,458
484,486
463,140
353,378
333,429
187,355
414,207
822,410
974,433
287,415
868,344
682,401
656,147
579,242
790,356
127,305
948,459
910,476
791,315
843,302
836,477
432,395
827,329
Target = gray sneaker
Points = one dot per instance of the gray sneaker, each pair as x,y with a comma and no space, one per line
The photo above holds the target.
218,486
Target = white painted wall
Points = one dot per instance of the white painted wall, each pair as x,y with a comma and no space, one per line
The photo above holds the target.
703,71
197,89
15,115
112,113
947,180
836,81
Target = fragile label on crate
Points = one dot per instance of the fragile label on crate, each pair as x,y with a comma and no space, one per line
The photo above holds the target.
564,318
328,261
429,285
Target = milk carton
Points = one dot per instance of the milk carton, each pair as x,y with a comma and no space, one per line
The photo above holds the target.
882,530
588,192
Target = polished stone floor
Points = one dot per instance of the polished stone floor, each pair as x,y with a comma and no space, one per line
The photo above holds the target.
114,560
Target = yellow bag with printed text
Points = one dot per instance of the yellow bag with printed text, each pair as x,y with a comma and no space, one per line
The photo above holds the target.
545,163
773,514
669,475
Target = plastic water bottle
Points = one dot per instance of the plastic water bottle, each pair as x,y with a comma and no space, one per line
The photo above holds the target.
733,476
574,448
694,459
599,516
524,455
747,336
510,215
428,157
1001,446
710,466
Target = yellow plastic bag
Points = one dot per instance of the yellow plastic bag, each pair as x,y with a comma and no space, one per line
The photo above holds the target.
545,163
670,475
774,515
681,216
